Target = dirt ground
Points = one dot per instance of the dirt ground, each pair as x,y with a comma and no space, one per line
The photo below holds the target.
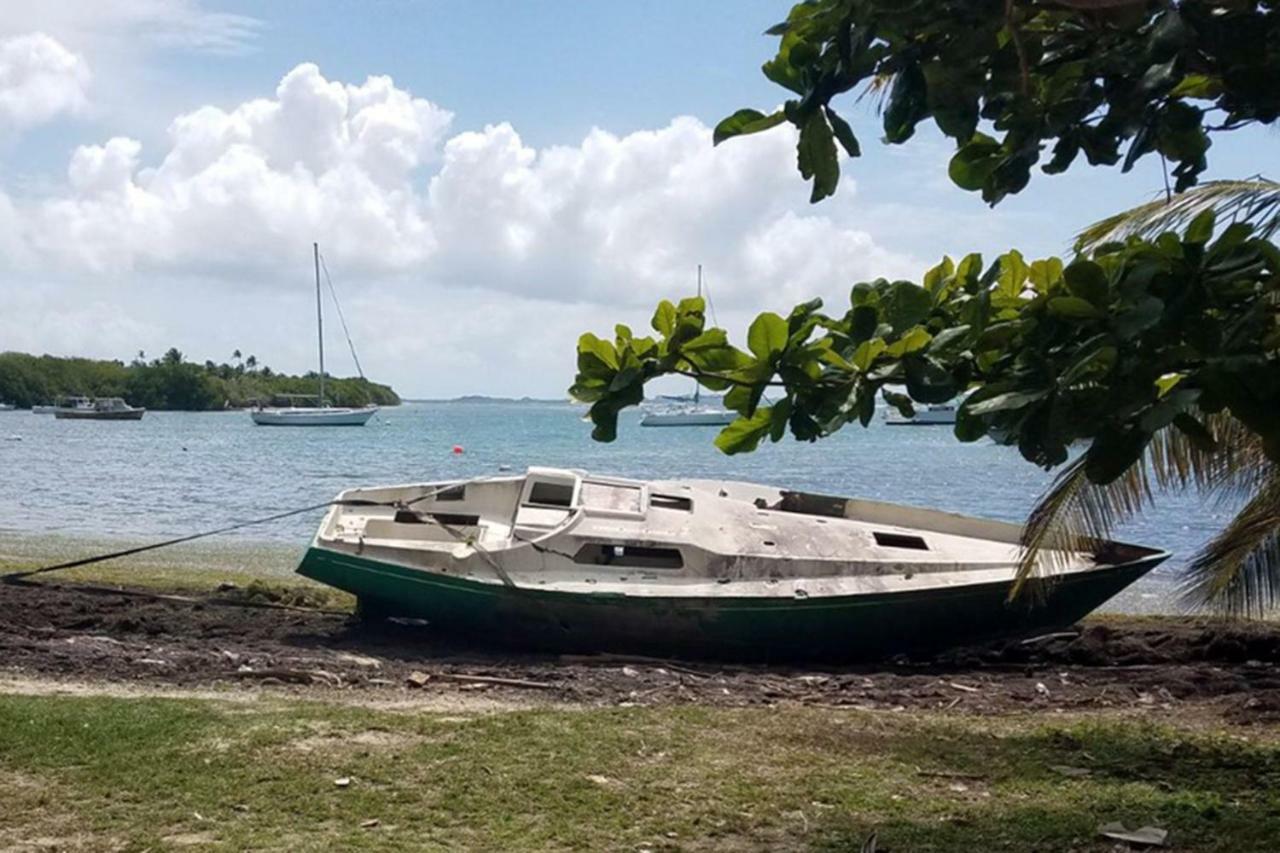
1160,665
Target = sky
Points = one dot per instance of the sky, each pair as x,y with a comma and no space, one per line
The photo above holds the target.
486,180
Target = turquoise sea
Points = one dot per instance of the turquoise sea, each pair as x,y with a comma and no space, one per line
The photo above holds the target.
175,473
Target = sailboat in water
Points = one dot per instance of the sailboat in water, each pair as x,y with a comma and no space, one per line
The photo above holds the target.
689,412
320,414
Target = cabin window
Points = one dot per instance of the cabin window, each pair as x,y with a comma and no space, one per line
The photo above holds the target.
671,502
900,540
453,493
638,556
546,493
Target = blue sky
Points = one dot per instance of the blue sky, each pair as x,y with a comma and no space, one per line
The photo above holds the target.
530,171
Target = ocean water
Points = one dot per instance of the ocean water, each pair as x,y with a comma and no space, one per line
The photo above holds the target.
176,473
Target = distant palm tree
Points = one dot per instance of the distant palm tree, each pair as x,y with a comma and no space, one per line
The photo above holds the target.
1238,571
251,362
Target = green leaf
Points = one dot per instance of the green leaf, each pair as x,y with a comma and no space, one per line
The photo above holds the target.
767,336
1112,452
1167,382
1201,228
901,402
907,104
1009,400
1196,432
1087,280
1013,273
1200,86
664,319
928,381
596,358
1046,273
867,352
745,122
905,305
914,340
973,164
949,340
844,133
1073,308
744,434
1094,359
1144,314
816,156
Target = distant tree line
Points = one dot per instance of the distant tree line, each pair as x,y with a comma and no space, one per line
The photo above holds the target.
170,382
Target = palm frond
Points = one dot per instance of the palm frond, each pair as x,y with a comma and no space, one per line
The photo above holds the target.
1235,467
1075,515
1238,572
1254,200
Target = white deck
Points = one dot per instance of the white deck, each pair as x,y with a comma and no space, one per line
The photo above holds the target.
574,532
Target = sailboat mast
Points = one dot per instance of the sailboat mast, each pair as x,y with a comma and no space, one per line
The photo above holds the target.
697,389
319,320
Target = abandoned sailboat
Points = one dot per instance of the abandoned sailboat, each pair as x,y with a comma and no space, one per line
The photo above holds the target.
564,559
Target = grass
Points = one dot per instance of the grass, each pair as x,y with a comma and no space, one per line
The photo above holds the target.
152,773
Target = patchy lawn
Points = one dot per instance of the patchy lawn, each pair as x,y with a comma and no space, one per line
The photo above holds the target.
134,773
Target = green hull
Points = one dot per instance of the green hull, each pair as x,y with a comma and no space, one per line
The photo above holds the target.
833,628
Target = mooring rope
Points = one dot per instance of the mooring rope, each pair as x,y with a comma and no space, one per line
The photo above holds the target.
14,577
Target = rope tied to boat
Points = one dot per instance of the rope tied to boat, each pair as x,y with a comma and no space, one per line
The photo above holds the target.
18,577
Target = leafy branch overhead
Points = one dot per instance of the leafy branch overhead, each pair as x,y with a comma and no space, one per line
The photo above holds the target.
1015,81
1109,350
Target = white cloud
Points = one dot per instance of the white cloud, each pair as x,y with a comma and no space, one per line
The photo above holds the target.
39,80
123,24
451,249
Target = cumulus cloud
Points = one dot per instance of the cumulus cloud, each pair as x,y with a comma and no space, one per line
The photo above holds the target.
370,172
446,243
39,79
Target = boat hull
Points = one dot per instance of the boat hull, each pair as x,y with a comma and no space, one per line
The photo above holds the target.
848,627
108,415
676,419
312,418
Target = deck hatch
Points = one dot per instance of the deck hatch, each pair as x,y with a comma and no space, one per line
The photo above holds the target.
899,540
671,502
639,556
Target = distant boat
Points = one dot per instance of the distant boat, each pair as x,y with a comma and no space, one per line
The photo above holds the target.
99,409
45,409
319,415
693,413
938,414
7,407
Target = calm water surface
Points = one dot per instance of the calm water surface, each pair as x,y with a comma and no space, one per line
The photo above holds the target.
174,473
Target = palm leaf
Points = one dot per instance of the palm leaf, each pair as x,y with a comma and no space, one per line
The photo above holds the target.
1075,514
1255,201
1238,572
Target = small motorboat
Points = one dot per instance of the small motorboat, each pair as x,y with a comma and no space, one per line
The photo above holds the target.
44,408
99,409
562,559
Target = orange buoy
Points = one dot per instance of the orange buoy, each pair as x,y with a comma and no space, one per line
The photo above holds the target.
457,448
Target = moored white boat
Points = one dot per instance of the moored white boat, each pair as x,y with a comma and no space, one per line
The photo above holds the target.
7,407
688,416
321,414
564,559
313,416
44,409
